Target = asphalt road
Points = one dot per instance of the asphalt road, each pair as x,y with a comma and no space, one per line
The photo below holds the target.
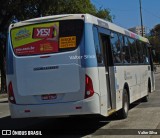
143,117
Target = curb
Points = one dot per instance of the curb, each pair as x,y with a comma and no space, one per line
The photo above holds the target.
3,100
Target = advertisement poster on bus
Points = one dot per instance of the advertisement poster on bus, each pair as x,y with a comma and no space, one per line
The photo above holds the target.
35,39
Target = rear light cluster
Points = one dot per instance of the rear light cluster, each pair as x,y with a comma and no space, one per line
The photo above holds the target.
89,91
11,97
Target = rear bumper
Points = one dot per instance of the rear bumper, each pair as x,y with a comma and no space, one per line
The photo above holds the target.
86,106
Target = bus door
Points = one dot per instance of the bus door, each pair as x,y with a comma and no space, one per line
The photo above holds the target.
104,37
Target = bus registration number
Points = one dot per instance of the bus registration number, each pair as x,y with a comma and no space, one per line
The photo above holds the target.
48,96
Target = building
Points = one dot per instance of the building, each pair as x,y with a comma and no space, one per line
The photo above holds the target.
138,30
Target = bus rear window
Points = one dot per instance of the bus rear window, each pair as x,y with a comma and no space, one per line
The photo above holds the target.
46,38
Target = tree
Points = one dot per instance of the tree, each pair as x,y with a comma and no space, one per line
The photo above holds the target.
154,39
104,14
18,10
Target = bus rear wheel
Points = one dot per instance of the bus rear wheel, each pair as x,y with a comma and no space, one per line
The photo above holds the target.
123,113
146,98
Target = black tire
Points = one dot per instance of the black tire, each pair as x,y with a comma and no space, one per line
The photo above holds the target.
146,98
123,113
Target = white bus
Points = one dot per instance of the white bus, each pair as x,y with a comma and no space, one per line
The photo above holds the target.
75,64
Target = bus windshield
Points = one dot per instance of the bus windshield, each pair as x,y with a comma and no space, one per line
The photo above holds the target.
46,38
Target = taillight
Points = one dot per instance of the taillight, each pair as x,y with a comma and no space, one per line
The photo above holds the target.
11,97
89,87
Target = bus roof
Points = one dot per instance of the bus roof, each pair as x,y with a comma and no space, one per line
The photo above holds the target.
113,27
88,19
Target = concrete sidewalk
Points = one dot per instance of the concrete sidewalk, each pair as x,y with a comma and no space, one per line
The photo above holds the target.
157,69
3,97
3,100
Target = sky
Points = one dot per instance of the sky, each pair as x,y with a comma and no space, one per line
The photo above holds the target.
127,12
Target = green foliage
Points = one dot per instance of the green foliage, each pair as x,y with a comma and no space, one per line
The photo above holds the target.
104,14
154,39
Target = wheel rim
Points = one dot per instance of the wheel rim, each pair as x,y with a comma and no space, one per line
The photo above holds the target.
126,104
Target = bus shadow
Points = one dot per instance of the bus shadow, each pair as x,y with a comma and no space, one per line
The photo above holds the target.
135,104
77,126
3,101
10,123
62,127
5,122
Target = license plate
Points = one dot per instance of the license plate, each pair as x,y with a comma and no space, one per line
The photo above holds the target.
49,96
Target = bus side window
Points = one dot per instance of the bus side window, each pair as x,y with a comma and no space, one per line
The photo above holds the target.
140,51
133,50
97,46
116,47
122,54
126,50
148,53
145,53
